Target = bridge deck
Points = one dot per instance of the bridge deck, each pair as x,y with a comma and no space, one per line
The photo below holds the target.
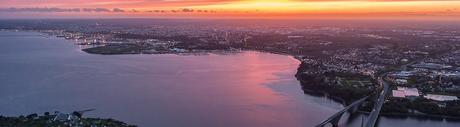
341,112
374,115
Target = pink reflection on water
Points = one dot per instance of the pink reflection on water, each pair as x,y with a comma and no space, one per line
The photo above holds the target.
262,105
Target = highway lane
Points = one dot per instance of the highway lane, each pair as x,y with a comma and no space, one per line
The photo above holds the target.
374,115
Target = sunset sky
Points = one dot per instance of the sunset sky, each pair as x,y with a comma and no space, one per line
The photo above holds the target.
228,8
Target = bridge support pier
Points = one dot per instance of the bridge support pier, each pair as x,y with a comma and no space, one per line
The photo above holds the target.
354,109
335,121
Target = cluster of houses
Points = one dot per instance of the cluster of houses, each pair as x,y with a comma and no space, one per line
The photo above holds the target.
413,93
70,119
433,74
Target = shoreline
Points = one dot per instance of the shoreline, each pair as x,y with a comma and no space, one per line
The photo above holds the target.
324,93
340,100
59,119
331,97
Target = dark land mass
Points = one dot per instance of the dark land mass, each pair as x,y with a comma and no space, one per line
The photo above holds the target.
47,120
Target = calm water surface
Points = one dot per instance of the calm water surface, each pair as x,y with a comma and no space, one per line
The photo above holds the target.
248,89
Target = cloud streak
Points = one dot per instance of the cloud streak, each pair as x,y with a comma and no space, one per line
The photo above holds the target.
39,10
50,10
118,10
97,10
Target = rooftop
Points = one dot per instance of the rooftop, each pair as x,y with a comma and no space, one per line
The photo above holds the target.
441,97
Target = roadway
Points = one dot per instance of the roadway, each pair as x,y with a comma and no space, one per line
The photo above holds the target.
374,115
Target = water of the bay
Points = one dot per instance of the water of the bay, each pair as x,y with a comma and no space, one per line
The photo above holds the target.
39,73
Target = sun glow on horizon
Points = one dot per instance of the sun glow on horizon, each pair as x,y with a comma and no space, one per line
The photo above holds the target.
250,8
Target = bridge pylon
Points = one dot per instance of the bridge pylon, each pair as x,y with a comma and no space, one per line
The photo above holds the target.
335,121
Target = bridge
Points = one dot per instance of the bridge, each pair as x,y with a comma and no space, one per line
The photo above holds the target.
373,116
334,119
372,119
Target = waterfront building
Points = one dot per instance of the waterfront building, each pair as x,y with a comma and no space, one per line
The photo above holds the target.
437,97
406,92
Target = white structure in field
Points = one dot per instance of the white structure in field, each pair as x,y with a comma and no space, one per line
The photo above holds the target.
403,92
441,97
398,93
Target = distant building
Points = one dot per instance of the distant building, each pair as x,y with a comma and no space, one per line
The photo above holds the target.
401,81
64,117
402,74
431,66
406,92
441,97
178,50
398,93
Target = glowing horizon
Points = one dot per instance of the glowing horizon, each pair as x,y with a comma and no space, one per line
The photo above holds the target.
230,8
